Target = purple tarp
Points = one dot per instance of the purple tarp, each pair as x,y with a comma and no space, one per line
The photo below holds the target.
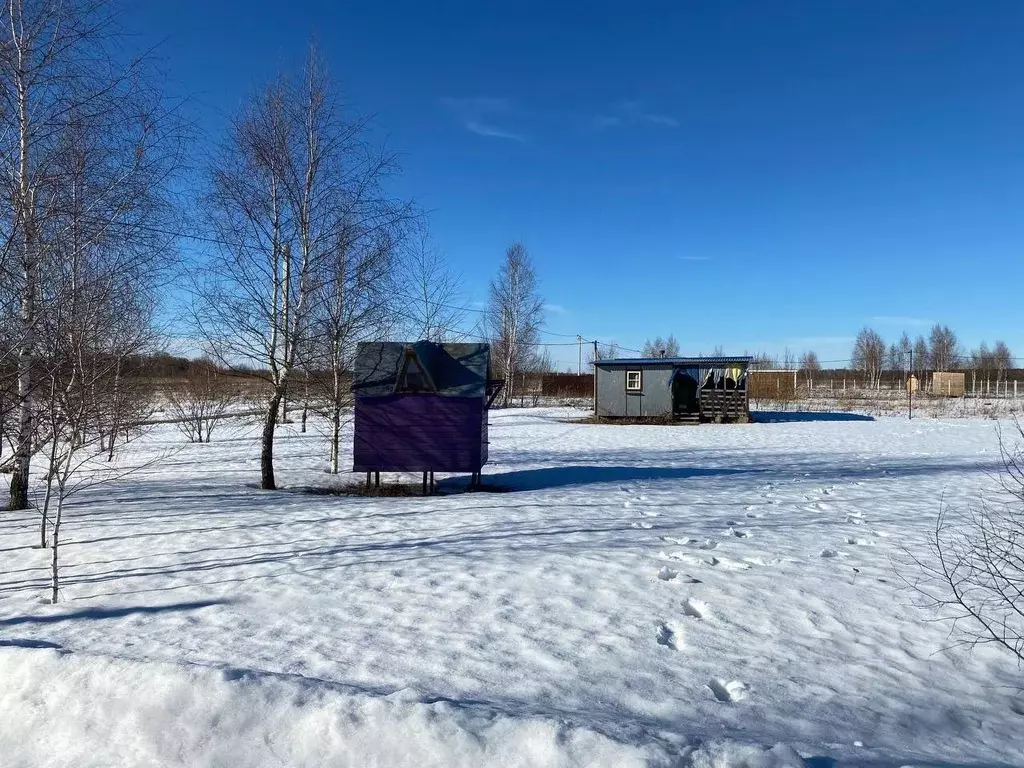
419,433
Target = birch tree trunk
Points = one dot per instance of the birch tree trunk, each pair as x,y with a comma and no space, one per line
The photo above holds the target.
267,482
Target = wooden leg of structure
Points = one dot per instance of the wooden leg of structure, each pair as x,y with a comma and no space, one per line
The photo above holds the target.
376,479
432,485
424,483
367,479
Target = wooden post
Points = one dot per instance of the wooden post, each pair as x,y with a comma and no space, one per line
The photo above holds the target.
376,479
910,388
424,483
595,379
1014,389
367,479
432,486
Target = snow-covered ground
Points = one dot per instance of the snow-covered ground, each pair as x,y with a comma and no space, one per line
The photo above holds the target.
707,596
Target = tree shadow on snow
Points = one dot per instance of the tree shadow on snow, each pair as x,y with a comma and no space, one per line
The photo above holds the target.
110,613
775,417
558,477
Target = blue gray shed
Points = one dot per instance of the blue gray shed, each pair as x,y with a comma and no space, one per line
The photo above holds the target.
688,389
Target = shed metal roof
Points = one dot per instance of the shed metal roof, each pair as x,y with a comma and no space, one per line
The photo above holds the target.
640,361
457,370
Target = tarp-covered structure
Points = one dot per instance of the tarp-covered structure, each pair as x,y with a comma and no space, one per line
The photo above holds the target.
421,406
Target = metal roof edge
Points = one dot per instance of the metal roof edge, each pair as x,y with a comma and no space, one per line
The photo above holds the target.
676,360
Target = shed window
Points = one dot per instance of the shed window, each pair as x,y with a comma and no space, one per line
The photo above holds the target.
634,381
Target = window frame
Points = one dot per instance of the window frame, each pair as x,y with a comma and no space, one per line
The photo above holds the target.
639,380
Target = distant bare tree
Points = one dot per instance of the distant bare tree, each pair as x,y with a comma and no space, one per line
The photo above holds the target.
200,402
921,362
943,349
788,360
1002,360
898,357
764,361
605,351
982,364
868,355
810,365
659,347
975,579
515,314
436,314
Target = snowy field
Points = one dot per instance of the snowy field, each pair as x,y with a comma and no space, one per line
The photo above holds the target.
709,596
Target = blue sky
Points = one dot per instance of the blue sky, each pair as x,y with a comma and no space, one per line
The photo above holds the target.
753,175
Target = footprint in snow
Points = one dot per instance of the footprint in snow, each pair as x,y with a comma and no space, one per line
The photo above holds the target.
667,636
681,557
829,553
728,565
733,690
680,542
753,515
694,608
707,544
883,534
859,542
642,526
764,560
855,519
739,534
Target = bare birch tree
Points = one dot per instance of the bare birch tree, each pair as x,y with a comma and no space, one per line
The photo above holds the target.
85,162
355,303
869,355
659,347
515,314
294,187
810,365
433,292
943,349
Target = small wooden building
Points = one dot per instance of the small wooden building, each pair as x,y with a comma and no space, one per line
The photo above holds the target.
688,389
948,384
421,407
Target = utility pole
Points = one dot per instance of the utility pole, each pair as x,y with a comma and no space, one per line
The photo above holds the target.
579,364
595,378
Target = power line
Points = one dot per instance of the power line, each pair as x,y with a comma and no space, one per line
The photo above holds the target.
245,246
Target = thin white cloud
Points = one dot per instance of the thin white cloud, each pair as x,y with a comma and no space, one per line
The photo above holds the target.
693,258
632,113
602,122
556,309
666,120
897,320
484,115
478,104
491,131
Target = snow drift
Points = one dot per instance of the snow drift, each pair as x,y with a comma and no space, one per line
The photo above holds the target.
66,709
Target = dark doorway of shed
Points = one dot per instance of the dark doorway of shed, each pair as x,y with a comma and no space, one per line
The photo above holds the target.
685,401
